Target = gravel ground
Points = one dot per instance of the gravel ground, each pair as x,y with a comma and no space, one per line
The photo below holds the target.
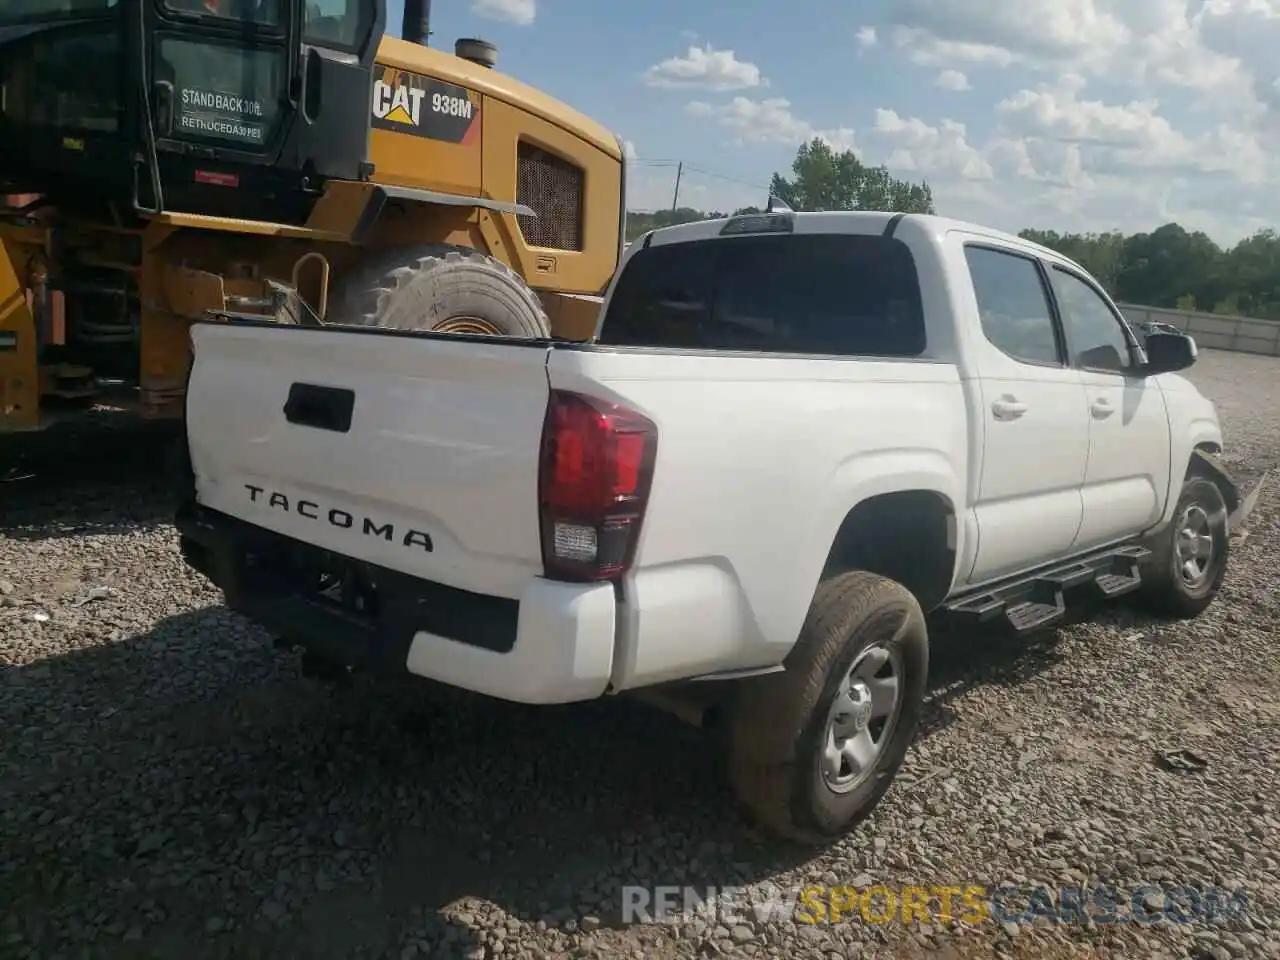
170,786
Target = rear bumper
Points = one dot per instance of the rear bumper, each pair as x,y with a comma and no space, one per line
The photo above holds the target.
554,645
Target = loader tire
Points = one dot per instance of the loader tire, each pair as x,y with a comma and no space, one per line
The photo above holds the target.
443,288
858,670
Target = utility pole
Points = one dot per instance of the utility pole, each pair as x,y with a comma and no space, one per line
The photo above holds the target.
675,199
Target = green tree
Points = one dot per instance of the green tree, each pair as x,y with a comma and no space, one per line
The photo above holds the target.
1170,263
1174,267
823,179
639,224
1102,254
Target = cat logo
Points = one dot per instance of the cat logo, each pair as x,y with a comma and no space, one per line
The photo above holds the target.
425,107
398,104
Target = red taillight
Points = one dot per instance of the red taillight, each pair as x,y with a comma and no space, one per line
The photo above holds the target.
593,485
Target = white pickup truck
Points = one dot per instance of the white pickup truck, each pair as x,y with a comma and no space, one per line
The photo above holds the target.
792,437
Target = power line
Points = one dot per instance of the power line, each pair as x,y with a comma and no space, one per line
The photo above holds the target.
721,176
681,166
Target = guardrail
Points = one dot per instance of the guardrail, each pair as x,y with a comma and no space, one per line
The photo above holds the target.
1238,334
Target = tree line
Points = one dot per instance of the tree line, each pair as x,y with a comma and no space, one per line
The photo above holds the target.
1168,267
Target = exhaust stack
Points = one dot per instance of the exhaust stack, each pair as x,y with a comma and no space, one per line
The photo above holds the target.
416,26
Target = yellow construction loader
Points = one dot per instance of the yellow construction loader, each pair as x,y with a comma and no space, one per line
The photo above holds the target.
168,161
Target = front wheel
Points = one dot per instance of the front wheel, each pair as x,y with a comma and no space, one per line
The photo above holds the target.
814,749
1189,560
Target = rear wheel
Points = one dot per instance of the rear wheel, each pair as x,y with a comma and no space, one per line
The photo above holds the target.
444,289
815,748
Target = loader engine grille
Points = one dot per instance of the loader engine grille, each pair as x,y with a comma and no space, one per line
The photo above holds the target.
552,188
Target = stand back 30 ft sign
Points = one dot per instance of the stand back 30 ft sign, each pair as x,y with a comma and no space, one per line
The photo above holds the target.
210,113
425,107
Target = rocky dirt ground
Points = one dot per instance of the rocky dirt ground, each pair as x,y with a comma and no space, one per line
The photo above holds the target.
170,786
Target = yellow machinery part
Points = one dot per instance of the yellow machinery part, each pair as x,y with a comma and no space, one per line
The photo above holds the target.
19,374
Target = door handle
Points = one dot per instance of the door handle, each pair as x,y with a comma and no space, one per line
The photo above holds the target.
322,408
164,106
1008,408
1102,408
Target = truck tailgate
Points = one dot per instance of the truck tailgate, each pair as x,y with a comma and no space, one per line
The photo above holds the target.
435,475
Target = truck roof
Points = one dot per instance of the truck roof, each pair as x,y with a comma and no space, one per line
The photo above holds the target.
861,222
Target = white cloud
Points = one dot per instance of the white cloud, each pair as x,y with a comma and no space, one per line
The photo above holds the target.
915,147
522,12
952,80
705,68
1221,47
768,121
1134,136
978,31
1116,113
629,150
928,50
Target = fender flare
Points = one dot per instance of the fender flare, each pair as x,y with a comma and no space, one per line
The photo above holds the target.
1202,464
1239,503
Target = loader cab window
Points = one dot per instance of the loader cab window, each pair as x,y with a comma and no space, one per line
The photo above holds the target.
264,13
222,92
338,24
36,11
66,79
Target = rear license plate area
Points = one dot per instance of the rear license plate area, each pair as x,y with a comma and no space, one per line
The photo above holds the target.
318,577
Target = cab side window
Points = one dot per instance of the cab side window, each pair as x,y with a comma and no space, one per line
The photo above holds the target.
1098,339
1013,305
336,23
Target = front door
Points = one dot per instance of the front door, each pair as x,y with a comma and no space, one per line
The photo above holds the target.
1126,478
220,76
262,85
1034,430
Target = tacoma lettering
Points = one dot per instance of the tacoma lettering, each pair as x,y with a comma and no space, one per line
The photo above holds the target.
342,519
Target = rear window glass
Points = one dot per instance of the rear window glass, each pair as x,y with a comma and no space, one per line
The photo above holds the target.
825,294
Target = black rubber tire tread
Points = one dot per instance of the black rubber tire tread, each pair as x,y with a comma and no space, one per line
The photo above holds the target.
1162,592
772,714
420,287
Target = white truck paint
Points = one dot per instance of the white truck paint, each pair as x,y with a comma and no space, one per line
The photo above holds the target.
763,448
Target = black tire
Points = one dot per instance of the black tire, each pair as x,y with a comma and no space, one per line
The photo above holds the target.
1165,590
442,288
778,723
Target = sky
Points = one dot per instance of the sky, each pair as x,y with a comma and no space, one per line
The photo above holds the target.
1071,115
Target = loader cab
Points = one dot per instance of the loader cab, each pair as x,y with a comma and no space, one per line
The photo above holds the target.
229,107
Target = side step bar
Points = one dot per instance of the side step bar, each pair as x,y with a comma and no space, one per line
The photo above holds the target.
1038,601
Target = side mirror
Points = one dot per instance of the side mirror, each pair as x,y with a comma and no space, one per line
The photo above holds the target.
1169,352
